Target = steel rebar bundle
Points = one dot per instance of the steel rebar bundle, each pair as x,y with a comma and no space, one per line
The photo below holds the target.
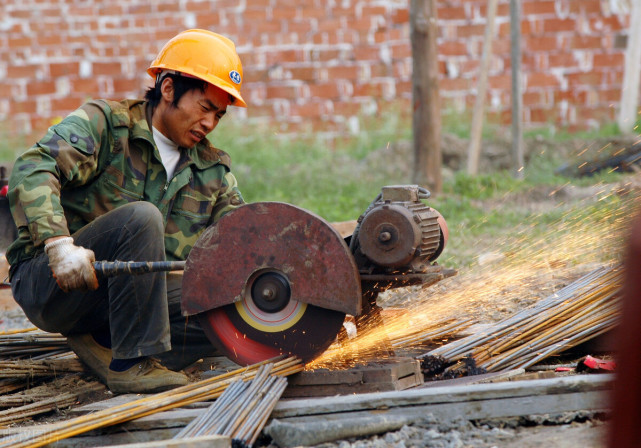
241,411
31,343
577,313
199,391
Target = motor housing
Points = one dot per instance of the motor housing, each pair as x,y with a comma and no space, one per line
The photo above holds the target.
399,231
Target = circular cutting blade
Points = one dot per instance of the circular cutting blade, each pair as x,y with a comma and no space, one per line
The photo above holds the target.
246,334
271,278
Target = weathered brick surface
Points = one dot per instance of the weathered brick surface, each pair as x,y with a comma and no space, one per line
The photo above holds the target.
315,65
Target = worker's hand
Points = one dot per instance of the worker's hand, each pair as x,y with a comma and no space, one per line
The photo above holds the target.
72,265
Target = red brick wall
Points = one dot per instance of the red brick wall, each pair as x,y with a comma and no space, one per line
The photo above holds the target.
313,65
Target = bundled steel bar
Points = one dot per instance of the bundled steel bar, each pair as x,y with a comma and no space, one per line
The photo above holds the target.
440,331
199,391
12,369
241,411
30,342
47,404
575,314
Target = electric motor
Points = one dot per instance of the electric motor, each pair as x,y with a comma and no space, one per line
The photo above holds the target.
399,230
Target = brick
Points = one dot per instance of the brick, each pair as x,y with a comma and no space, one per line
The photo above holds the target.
584,79
41,88
326,55
586,42
401,16
284,56
500,81
279,13
612,23
401,51
122,86
467,31
540,43
541,80
17,42
367,53
64,69
455,84
23,71
207,20
452,49
608,60
543,115
66,105
556,25
192,6
585,7
308,110
106,68
172,7
24,107
304,73
292,92
328,90
451,13
562,59
538,7
533,98
342,72
86,86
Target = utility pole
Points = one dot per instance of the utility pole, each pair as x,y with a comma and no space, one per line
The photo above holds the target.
426,119
630,89
474,150
518,161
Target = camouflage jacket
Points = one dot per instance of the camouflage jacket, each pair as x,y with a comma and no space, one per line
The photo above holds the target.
103,156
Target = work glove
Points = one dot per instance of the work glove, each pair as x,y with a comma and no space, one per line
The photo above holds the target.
72,265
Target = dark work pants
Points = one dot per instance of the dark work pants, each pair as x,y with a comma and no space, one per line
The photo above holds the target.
135,309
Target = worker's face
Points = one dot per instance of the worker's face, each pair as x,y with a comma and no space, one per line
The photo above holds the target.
195,116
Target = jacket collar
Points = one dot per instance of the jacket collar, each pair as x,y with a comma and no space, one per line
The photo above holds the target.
203,155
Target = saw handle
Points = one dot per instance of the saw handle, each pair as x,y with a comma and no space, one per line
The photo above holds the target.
113,268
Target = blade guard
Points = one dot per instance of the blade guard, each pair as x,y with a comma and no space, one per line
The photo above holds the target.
271,236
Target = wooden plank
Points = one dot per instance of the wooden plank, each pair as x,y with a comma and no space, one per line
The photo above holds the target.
193,442
325,377
436,395
312,430
392,374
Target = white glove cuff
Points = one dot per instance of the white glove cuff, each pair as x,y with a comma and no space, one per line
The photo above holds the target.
58,243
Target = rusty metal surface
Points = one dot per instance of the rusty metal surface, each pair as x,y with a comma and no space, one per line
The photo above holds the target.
271,237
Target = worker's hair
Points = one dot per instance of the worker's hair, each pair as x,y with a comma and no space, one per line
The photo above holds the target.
182,85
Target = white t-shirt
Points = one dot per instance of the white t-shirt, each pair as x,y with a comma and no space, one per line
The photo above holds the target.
169,153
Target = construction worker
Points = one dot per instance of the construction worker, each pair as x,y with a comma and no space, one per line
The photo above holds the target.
135,180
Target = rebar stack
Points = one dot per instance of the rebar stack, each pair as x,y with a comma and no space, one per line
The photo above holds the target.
241,411
577,313
32,343
199,391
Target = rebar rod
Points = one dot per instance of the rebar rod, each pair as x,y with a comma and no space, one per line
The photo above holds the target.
578,312
202,390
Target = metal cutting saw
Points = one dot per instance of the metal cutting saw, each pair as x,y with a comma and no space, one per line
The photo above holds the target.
272,278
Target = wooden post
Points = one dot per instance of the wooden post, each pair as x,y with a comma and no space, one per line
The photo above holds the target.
518,161
474,150
630,88
426,119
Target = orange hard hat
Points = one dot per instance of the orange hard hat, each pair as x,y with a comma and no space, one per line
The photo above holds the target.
204,55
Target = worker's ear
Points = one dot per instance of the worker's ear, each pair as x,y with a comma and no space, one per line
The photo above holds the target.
167,89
